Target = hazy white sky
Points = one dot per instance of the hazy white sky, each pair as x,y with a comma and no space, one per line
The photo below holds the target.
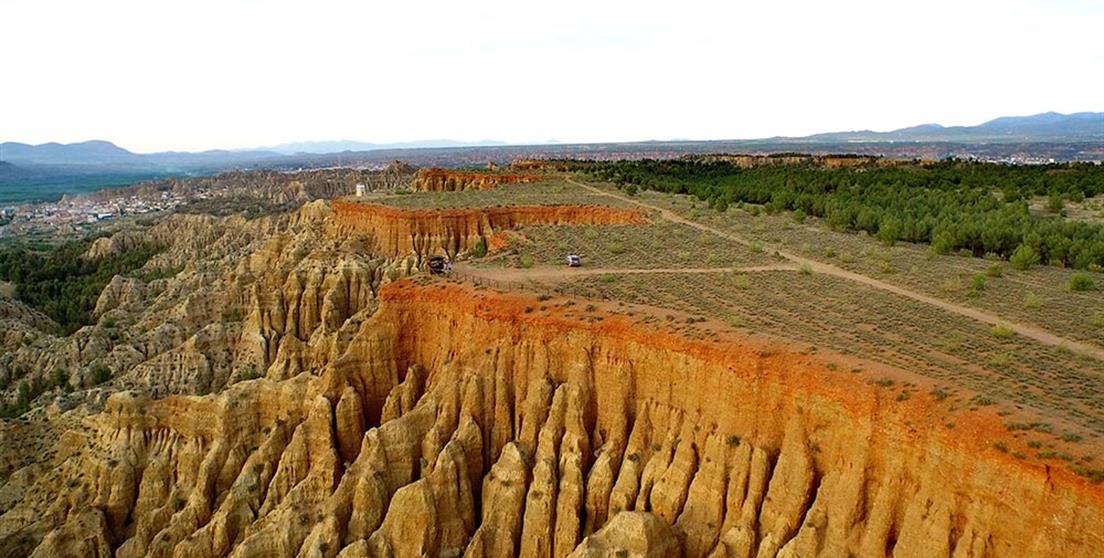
200,74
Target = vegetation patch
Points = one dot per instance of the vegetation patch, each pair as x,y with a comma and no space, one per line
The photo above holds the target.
63,284
949,205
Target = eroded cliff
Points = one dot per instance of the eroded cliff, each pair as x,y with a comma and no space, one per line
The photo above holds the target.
444,180
399,232
455,421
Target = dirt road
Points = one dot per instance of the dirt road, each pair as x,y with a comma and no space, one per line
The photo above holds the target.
561,273
1025,330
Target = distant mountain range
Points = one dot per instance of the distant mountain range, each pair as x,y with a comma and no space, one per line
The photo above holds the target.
104,154
318,147
1045,127
51,169
10,171
98,155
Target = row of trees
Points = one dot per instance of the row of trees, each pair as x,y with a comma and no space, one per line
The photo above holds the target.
953,206
63,284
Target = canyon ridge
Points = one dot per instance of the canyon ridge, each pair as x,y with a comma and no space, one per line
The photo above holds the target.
757,356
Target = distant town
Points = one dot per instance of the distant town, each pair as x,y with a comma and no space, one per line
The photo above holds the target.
86,213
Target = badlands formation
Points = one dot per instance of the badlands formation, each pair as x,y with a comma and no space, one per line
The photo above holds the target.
301,389
442,180
397,232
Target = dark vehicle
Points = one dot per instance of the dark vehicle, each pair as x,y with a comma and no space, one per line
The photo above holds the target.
437,265
573,260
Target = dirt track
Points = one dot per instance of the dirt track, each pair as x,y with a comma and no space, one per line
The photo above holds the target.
1025,330
561,273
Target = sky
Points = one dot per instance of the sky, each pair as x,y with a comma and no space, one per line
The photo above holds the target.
203,74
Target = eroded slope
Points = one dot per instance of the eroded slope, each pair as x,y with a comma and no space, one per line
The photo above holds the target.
452,231
444,180
456,422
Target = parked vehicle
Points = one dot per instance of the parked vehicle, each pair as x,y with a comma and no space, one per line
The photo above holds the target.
573,260
438,265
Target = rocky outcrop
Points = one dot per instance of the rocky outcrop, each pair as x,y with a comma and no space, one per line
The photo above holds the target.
248,297
120,292
115,244
486,430
422,232
443,180
631,535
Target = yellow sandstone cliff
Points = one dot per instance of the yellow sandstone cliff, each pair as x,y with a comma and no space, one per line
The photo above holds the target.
399,232
458,422
443,180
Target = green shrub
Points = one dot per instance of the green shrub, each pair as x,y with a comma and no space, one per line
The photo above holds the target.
100,374
1001,332
983,401
1032,300
23,393
999,360
1097,320
480,248
61,378
1055,203
979,282
1081,282
1024,258
249,373
889,232
525,261
995,270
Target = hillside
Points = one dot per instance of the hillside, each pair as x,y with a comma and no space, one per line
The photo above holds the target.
84,153
715,381
9,171
1050,126
70,168
104,156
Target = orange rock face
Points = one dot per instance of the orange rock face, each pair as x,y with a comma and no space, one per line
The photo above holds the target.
462,422
443,180
401,232
757,453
